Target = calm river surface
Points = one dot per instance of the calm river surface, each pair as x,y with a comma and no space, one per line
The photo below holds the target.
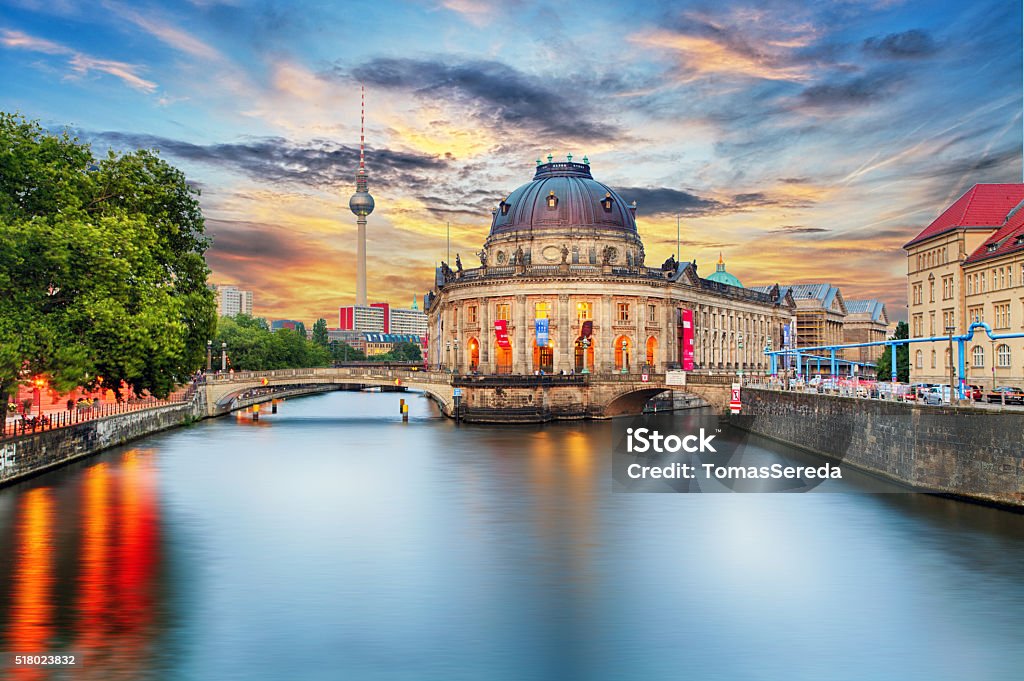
332,541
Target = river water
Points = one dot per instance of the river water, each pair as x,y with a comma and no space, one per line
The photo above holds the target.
333,541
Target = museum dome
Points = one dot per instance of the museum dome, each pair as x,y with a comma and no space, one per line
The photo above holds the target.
563,194
723,277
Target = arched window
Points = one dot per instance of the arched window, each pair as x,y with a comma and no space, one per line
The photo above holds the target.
978,357
652,350
934,359
623,346
1003,356
473,354
919,360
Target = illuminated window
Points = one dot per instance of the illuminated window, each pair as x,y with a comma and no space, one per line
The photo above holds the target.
606,202
542,310
552,200
502,311
584,311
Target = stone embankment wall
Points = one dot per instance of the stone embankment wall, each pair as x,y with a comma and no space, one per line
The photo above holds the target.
34,453
968,452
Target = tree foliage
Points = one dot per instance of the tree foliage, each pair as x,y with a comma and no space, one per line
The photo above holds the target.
320,332
884,363
102,273
252,346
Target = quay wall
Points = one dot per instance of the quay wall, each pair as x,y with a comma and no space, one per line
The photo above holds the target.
969,452
35,453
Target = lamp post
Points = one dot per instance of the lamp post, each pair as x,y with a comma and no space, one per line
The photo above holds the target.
209,355
448,354
952,399
224,356
739,358
455,363
625,356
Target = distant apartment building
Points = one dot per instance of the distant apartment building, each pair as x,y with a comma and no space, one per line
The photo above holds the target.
408,321
382,318
232,300
362,318
278,324
966,266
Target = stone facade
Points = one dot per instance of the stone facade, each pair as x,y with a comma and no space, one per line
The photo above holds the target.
966,266
565,248
965,451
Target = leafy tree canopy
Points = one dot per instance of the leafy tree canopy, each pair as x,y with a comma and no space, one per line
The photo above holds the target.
102,273
884,362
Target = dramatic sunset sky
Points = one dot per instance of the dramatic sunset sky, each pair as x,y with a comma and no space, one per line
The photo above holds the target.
806,140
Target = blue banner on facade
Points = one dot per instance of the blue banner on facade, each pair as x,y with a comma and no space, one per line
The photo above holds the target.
541,326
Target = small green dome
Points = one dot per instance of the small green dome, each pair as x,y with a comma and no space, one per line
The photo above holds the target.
723,277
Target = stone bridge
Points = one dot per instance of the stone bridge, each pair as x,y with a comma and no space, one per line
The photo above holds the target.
486,399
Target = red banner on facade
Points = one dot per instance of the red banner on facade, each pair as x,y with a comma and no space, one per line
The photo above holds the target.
588,329
687,323
501,333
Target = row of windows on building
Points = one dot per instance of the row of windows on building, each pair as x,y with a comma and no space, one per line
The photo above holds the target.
585,312
936,256
1002,277
976,282
1001,319
977,357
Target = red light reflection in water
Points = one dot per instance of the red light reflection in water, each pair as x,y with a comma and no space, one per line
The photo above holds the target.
30,628
110,596
118,566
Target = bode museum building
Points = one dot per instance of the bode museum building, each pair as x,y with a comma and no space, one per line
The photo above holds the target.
563,285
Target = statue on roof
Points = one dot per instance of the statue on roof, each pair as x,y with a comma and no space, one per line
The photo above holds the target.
482,254
670,265
565,254
458,262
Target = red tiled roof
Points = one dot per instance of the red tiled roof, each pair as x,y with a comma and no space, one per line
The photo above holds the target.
983,205
1003,241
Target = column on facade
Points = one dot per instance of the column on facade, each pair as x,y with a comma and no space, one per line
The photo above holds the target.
564,348
668,335
605,357
460,341
522,360
486,338
639,349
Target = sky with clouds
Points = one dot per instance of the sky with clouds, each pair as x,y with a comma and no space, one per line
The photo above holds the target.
807,141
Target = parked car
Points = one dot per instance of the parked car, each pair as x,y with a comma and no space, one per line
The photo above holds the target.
1013,395
937,395
975,393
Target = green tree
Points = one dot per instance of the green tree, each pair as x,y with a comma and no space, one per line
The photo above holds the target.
343,352
404,351
884,362
320,332
251,346
102,274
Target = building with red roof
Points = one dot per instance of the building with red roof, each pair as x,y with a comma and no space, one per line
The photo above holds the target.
968,265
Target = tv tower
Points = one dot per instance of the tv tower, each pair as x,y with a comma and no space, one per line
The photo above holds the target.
361,204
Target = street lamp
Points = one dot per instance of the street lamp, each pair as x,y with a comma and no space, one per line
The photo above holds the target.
224,356
455,364
209,355
952,399
739,362
448,353
625,356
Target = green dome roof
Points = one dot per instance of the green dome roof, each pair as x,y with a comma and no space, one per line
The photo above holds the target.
723,277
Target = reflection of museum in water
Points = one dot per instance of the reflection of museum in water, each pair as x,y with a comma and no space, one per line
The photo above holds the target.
563,253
